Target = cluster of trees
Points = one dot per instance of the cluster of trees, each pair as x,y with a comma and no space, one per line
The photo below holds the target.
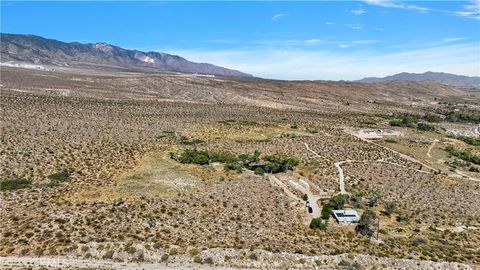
466,117
368,221
280,163
464,154
469,140
273,163
412,121
202,157
439,116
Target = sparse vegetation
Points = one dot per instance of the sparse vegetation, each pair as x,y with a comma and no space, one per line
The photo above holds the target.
464,154
367,224
13,184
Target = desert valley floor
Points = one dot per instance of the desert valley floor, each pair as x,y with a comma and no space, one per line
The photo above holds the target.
96,174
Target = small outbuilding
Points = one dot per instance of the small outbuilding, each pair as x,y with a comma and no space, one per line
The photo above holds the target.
346,216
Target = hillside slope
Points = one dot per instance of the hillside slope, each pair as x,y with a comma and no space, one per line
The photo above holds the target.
37,50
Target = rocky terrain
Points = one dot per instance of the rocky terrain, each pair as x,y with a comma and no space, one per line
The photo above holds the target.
90,174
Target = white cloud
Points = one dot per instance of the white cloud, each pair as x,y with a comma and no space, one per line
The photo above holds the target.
354,26
313,41
358,11
453,39
472,10
365,41
329,23
396,4
337,65
277,17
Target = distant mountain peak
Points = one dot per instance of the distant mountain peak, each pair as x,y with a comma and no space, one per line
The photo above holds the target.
33,49
460,81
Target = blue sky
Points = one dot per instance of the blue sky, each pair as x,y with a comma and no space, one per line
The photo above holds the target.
283,40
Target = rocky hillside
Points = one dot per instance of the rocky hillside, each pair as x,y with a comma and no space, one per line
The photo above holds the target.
38,50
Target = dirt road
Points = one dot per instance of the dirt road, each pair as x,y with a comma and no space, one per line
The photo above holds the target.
431,147
341,178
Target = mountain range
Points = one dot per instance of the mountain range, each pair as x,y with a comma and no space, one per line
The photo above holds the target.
37,50
463,82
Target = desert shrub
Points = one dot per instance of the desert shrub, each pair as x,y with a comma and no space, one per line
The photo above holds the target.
193,252
474,169
425,127
368,222
61,176
402,217
186,141
464,154
317,223
248,123
432,118
389,208
305,197
13,184
311,130
470,140
356,200
259,171
373,197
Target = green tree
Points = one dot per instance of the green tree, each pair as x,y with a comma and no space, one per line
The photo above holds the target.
317,223
338,201
366,225
326,211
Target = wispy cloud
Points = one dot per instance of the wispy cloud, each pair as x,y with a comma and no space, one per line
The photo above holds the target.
472,10
354,26
344,46
365,41
329,23
396,4
337,65
277,17
453,39
313,41
358,11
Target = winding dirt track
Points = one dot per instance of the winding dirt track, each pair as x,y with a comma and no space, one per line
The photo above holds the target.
431,147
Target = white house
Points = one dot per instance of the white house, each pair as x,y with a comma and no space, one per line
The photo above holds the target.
346,216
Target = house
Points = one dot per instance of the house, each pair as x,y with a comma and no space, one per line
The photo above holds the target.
346,216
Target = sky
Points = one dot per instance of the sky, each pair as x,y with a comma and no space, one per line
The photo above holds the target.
328,40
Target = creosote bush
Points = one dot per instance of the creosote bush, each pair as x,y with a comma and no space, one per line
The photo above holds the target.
15,184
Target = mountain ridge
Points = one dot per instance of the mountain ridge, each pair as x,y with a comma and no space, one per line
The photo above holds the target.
466,83
34,49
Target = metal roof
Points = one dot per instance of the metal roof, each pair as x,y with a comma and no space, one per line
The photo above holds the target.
346,215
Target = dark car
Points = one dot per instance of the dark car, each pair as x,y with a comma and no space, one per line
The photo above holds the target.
310,210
